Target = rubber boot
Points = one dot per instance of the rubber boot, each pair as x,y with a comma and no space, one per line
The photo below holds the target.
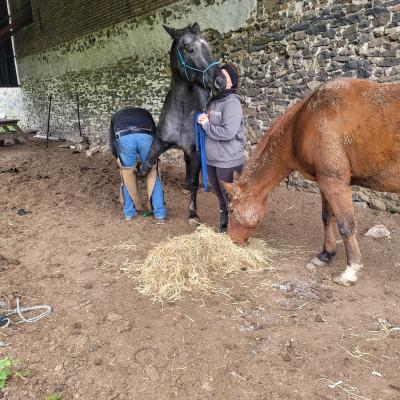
223,221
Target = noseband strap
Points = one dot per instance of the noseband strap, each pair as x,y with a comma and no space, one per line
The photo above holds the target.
202,71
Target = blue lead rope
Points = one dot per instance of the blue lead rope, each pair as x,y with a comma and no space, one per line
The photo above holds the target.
201,146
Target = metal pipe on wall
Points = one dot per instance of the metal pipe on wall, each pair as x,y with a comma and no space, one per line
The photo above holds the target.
48,121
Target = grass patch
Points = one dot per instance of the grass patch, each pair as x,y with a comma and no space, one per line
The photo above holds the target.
6,372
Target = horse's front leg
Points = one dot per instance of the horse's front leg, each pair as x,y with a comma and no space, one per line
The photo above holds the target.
157,148
187,175
339,197
195,166
329,249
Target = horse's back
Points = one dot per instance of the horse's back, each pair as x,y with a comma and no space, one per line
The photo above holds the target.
351,128
355,96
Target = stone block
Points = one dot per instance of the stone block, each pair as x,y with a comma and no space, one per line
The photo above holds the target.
256,48
378,32
350,30
388,62
317,28
376,11
351,65
396,17
377,204
313,85
341,59
331,34
299,26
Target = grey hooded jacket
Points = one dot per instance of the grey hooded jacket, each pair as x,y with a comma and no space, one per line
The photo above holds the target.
225,132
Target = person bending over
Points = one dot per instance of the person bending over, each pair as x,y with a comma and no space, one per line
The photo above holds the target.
131,134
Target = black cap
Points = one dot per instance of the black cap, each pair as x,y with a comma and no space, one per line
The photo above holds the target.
231,70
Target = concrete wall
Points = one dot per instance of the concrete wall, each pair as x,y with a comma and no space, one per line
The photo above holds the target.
124,64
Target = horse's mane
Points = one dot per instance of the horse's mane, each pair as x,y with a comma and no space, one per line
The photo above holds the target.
262,154
285,117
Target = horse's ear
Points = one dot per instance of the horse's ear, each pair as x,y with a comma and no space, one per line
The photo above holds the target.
174,33
236,175
228,188
195,29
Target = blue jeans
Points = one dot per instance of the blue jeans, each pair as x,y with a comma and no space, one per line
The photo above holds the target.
130,146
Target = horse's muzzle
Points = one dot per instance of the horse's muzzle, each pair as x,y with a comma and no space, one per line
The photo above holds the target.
220,82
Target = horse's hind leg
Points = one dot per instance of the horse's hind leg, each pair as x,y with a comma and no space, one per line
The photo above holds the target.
195,166
339,197
329,249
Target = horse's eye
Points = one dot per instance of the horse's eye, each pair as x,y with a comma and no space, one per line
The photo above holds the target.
191,50
230,210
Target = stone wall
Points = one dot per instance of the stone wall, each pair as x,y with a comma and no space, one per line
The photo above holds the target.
287,49
283,48
362,197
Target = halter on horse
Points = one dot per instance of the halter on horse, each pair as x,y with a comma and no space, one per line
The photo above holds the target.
202,71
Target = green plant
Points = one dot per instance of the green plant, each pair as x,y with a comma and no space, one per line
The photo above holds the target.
5,370
54,396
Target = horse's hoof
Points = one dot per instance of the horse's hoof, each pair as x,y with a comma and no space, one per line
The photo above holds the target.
311,267
142,173
341,280
194,220
316,263
349,276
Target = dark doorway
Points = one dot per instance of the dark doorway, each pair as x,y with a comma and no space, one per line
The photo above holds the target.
8,73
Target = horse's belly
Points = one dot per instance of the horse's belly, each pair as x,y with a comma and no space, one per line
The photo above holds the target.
307,174
386,179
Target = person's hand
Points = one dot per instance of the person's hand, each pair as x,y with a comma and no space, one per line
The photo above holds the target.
203,118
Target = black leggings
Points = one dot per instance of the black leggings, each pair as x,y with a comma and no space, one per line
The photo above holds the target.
215,176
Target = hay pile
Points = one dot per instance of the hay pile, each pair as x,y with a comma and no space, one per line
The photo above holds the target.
190,262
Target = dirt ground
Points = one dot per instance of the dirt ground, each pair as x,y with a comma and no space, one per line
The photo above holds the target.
285,334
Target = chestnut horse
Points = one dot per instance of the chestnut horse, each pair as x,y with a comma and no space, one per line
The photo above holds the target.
346,132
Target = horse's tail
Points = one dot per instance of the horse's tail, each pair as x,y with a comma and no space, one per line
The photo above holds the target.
111,139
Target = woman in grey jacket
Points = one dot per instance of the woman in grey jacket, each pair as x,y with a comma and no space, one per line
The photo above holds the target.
224,128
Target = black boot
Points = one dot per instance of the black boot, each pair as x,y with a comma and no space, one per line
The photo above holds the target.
223,221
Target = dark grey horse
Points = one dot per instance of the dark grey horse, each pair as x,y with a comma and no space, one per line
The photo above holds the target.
195,74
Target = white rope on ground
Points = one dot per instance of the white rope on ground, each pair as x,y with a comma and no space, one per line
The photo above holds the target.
19,310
